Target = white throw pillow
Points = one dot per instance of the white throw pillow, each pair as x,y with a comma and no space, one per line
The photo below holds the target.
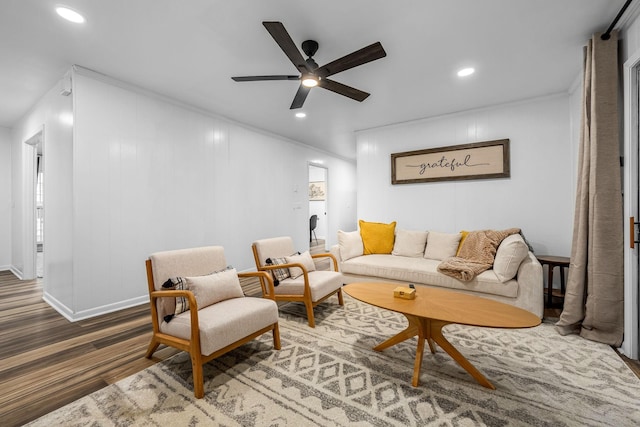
350,244
441,245
410,243
304,259
510,254
215,287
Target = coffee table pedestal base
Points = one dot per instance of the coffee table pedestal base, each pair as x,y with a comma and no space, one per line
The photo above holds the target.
431,331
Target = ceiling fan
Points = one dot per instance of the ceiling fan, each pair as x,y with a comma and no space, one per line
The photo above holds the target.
311,74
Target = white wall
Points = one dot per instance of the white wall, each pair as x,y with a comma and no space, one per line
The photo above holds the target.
152,175
52,115
5,199
537,197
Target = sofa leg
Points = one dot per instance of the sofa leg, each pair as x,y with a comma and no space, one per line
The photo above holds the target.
340,299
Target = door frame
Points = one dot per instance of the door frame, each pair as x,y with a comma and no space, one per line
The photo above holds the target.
30,159
324,219
631,90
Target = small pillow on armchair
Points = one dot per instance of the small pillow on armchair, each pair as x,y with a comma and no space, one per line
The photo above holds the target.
510,254
215,287
377,238
410,243
350,244
305,259
279,274
176,305
441,245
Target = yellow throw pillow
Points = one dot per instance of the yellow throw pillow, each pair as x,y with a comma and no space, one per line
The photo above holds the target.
377,238
462,239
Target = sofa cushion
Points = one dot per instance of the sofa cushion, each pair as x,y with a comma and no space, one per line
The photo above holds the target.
410,243
510,253
441,245
215,287
377,238
350,243
304,259
424,271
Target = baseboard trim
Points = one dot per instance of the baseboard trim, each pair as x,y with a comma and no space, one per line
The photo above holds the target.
72,316
16,272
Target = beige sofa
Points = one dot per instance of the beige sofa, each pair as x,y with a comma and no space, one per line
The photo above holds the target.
516,277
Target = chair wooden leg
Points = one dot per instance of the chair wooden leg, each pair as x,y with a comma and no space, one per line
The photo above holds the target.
153,346
312,320
198,380
340,299
276,337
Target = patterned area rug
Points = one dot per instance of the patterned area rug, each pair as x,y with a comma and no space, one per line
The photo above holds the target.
330,376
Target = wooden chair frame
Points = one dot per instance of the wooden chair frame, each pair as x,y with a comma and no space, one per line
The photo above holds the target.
192,345
306,296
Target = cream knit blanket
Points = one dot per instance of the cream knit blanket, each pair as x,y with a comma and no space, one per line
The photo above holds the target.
476,254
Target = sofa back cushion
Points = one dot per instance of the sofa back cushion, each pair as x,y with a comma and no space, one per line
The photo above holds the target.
441,245
410,243
350,244
377,238
510,254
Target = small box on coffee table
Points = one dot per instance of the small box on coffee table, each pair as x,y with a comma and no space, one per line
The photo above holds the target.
405,293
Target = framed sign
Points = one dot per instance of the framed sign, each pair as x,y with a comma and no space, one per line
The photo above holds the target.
480,160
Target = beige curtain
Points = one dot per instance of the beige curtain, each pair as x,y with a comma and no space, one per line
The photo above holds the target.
593,305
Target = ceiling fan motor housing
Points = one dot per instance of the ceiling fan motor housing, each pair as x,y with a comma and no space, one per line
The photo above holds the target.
310,47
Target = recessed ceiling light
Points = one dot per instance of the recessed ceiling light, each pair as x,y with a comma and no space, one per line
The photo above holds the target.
466,72
301,115
70,14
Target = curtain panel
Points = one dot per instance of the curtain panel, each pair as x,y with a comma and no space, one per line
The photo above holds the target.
593,305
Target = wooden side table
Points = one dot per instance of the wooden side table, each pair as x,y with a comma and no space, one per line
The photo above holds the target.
552,261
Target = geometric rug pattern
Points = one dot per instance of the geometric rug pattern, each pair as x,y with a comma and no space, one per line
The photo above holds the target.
330,376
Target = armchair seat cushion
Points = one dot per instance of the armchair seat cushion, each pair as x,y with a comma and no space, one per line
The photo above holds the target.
321,282
225,322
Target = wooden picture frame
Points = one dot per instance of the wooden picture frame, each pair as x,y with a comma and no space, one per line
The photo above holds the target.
479,160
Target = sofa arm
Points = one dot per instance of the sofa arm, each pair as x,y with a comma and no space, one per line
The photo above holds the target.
531,285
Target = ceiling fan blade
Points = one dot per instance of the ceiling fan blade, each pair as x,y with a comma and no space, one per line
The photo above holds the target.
342,89
359,57
260,78
301,95
282,37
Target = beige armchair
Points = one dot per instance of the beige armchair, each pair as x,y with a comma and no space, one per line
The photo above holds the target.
228,320
312,286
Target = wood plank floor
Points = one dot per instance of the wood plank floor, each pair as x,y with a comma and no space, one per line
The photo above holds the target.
47,361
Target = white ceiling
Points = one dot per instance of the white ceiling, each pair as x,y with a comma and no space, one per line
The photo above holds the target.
188,50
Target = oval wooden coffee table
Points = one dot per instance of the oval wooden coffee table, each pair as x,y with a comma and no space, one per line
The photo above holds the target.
434,308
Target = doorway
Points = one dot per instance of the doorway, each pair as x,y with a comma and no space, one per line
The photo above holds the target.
34,207
318,190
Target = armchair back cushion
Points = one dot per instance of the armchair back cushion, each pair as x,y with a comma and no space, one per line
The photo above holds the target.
183,263
277,247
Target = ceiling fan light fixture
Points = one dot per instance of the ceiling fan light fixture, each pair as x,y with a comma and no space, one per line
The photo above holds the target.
309,80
